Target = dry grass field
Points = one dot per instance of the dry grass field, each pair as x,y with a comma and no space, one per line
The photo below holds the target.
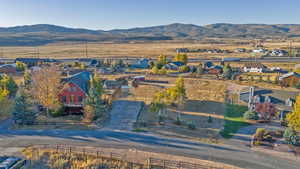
205,98
149,49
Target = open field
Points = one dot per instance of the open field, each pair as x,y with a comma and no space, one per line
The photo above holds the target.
205,99
149,49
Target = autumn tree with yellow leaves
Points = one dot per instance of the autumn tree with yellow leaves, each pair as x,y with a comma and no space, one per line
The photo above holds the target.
294,117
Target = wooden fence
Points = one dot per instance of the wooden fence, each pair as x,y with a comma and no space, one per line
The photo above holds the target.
151,163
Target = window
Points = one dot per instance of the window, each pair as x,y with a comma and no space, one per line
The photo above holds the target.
72,89
80,99
72,99
64,99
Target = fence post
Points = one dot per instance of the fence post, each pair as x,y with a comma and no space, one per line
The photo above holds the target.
110,159
149,163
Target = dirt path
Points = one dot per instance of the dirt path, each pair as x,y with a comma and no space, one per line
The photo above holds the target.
124,114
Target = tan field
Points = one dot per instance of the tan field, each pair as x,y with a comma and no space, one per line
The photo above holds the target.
150,49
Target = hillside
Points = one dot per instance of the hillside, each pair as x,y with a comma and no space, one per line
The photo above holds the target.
42,34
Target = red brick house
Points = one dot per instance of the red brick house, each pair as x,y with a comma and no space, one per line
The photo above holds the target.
75,90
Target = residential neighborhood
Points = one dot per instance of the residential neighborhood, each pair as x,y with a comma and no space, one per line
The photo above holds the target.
149,84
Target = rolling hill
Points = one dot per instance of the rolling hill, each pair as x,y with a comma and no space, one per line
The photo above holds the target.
43,33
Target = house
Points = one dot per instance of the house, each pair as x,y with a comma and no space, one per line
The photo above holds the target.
29,61
112,84
173,65
290,79
8,69
278,52
141,64
182,50
139,78
215,70
259,50
240,50
207,65
75,90
254,67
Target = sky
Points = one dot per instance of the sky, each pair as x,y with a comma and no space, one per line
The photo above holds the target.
122,14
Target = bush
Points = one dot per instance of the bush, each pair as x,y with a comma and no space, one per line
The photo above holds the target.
59,112
191,125
161,119
259,134
178,121
291,137
184,69
251,115
209,119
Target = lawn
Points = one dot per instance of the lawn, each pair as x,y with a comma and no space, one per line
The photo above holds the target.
233,120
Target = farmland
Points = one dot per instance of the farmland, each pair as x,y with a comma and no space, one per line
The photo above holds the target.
141,49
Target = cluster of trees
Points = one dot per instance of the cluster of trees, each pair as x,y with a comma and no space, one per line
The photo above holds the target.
23,109
158,67
263,111
293,120
8,87
20,66
45,86
227,72
93,105
174,95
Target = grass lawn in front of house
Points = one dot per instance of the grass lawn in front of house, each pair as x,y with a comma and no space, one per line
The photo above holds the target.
233,120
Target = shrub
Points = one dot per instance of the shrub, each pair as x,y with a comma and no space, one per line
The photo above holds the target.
251,115
209,119
178,121
184,69
291,137
259,134
59,112
161,119
191,125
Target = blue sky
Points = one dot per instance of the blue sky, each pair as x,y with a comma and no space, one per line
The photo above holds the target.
112,14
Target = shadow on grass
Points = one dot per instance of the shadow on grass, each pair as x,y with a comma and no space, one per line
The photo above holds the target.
233,120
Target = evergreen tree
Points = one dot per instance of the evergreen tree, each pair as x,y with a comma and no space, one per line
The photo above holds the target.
23,112
7,82
27,78
93,107
227,71
20,66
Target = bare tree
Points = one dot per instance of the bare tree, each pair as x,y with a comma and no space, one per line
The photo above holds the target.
46,86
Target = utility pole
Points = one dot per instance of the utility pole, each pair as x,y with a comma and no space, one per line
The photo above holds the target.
1,53
86,50
290,48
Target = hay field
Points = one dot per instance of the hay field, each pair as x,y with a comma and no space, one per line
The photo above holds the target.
149,49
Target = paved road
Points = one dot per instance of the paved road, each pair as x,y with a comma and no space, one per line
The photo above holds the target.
124,114
230,154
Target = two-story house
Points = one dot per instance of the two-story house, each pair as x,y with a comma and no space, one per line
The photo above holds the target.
75,90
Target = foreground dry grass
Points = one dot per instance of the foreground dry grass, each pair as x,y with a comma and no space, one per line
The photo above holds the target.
52,158
150,49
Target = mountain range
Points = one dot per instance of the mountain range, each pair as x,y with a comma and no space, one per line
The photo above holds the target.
44,33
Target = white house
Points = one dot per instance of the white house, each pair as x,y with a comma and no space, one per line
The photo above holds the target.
254,67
